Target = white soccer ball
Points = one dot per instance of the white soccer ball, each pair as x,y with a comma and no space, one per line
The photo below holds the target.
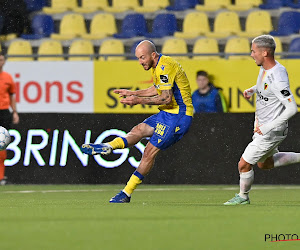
4,138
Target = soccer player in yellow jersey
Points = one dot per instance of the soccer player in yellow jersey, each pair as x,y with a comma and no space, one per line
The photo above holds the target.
171,91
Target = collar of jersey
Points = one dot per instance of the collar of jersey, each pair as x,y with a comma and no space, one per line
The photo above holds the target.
160,55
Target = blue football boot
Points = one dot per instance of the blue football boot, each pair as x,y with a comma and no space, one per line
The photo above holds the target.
94,149
120,198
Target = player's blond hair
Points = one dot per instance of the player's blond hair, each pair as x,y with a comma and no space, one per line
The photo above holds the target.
265,41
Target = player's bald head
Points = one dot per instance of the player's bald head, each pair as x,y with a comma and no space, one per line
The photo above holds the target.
146,47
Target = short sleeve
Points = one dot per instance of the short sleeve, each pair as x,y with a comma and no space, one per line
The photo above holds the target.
12,88
281,86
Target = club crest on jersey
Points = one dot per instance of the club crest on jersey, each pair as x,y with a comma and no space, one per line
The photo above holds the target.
266,86
162,67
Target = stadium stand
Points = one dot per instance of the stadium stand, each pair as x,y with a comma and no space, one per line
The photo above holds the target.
35,5
50,47
273,4
226,23
289,23
244,5
133,25
194,24
180,5
238,45
159,27
81,47
20,47
206,46
59,6
175,46
42,26
293,4
294,47
111,47
122,6
152,6
71,26
213,5
89,6
257,23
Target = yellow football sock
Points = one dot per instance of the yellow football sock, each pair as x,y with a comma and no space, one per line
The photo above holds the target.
117,143
133,182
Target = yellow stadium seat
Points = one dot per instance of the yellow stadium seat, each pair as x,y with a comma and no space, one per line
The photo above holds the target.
71,26
206,46
238,45
213,5
111,46
102,25
122,5
89,6
244,5
226,24
194,24
278,47
152,5
59,6
83,47
19,47
50,47
257,23
175,46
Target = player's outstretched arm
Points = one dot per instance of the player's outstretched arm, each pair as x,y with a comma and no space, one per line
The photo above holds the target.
143,92
249,92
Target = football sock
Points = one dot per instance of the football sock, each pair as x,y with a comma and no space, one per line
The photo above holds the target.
135,179
118,143
246,180
2,167
285,158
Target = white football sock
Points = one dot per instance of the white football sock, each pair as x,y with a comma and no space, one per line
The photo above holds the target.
246,180
285,158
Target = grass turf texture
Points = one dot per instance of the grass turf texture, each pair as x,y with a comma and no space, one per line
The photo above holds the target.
158,217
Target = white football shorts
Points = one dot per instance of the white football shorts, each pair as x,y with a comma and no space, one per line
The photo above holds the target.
264,146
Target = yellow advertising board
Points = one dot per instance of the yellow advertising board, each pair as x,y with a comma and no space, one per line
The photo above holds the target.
233,76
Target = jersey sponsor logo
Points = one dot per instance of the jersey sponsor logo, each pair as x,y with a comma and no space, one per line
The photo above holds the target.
164,78
262,97
162,67
266,86
285,92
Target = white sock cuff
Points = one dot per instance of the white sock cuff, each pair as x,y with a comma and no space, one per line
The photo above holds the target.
247,174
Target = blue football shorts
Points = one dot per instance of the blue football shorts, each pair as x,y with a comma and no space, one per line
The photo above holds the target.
168,128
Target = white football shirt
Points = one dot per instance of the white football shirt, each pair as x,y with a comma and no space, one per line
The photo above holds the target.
272,87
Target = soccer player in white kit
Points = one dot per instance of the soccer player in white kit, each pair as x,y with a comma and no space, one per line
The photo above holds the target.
275,105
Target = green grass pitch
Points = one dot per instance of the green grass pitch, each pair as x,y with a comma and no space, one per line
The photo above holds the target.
158,217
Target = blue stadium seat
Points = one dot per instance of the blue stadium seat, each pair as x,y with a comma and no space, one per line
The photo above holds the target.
293,4
273,4
42,26
35,5
294,47
183,5
163,25
133,25
289,23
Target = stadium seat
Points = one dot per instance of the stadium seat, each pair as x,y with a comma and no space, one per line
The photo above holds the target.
273,4
59,6
102,25
175,46
42,26
226,24
194,24
278,47
294,47
35,5
159,27
257,23
152,6
180,5
71,26
89,6
293,4
238,45
213,5
19,47
81,47
111,47
289,23
50,47
133,25
244,5
206,46
119,6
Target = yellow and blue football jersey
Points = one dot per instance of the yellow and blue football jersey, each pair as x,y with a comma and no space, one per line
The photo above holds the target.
168,74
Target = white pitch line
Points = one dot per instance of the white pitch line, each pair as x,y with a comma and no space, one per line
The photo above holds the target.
149,189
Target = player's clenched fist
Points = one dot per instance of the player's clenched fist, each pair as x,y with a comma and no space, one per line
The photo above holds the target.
123,92
248,93
130,100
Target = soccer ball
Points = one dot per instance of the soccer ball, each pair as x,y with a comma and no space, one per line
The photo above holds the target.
4,138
